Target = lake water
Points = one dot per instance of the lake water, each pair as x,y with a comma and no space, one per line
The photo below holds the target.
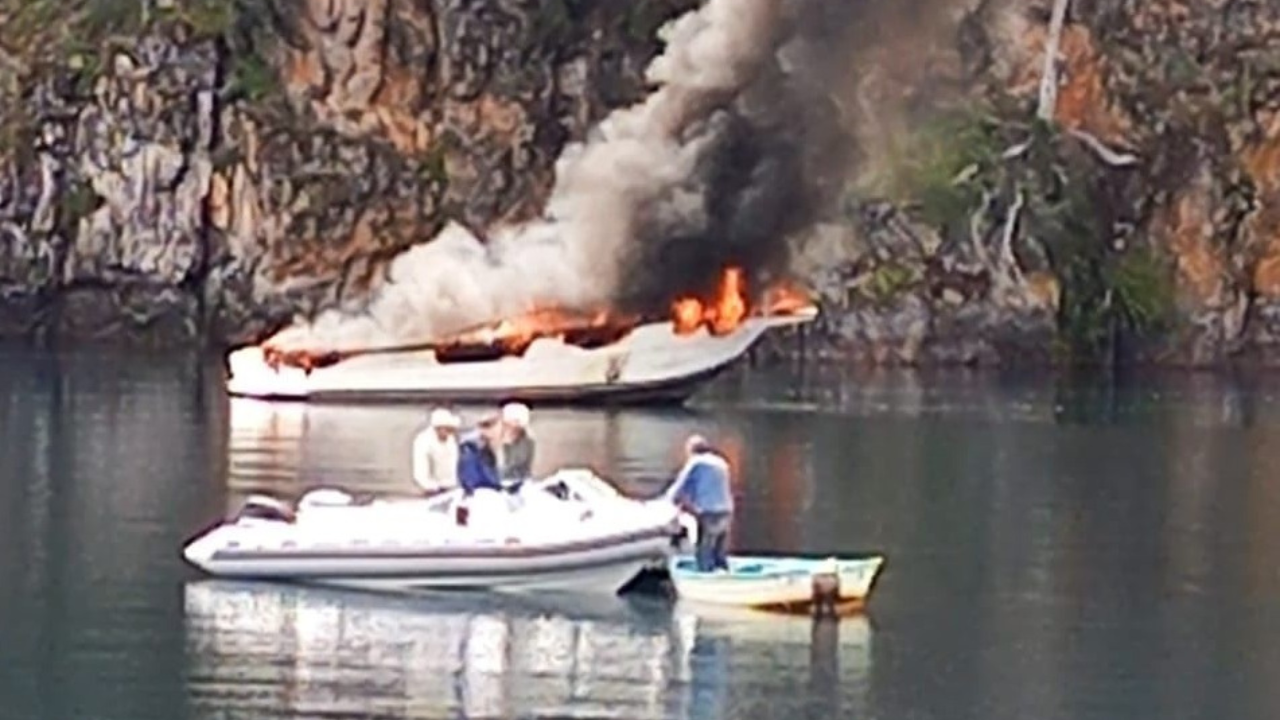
1055,550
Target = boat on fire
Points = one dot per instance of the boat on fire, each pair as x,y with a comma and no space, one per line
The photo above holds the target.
595,359
570,532
780,584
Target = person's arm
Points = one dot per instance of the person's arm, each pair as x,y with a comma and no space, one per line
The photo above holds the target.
449,472
492,477
433,464
467,462
677,491
529,455
520,459
421,461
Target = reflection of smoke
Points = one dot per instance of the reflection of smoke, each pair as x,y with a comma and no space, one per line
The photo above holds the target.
634,161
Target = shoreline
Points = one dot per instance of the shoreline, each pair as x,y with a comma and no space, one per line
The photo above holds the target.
765,358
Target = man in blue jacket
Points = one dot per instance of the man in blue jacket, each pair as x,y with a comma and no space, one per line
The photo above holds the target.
702,487
477,461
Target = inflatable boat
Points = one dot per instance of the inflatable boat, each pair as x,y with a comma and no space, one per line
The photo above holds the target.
569,532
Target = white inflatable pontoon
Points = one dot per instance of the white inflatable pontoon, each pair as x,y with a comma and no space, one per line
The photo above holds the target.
569,532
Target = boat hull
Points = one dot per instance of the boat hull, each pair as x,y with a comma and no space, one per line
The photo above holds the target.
603,566
568,532
780,585
652,365
660,392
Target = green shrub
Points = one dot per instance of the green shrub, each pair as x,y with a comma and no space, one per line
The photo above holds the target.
938,167
252,77
888,281
1141,282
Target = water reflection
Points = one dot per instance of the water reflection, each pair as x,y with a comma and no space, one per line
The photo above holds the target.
266,649
1070,398
1080,549
289,447
96,482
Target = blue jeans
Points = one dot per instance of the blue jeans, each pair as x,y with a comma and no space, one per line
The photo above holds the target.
713,539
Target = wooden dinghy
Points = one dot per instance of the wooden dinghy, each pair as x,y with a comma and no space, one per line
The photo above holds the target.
795,585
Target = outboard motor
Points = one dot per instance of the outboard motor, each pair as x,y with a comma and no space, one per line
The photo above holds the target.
262,507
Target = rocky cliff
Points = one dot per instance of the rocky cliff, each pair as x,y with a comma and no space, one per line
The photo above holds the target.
179,170
207,169
1123,211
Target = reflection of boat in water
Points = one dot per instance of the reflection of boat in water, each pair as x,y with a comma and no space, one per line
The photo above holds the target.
836,586
571,531
258,650
647,363
286,449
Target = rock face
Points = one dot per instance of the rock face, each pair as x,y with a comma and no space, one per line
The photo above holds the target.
175,172
207,169
1135,220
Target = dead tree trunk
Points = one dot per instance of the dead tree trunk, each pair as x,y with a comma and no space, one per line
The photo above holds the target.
1049,78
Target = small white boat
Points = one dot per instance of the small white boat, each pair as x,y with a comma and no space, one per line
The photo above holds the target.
832,586
568,532
649,363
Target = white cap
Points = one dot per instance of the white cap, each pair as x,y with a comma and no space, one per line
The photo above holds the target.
694,443
516,414
442,418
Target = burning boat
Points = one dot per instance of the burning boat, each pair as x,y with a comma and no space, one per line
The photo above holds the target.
545,356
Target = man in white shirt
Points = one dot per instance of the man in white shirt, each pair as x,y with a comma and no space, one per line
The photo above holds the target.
435,453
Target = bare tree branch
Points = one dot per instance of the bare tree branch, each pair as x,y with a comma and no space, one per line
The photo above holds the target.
1007,259
1016,151
1049,77
976,237
1108,156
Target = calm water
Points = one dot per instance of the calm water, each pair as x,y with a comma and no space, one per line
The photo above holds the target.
1081,551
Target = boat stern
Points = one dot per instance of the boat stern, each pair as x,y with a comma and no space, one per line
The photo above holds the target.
252,376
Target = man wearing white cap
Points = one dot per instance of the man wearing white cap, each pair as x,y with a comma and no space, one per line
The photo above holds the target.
435,453
518,446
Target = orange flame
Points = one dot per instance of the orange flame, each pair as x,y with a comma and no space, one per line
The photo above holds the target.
731,304
786,298
515,335
721,315
687,315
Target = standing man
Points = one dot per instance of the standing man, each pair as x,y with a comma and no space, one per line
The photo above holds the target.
435,453
518,446
702,487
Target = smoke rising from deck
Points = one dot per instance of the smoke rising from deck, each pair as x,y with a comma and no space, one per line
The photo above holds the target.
634,161
746,140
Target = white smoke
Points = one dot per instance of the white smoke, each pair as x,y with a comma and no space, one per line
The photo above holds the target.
573,257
